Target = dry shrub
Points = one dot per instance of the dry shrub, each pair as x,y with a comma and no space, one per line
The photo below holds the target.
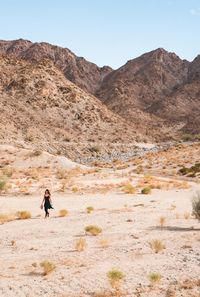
5,218
74,189
93,230
2,184
157,245
63,213
89,209
129,189
104,243
48,267
154,277
80,244
115,278
146,190
162,221
23,215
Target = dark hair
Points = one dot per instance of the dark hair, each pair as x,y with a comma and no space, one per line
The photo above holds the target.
47,192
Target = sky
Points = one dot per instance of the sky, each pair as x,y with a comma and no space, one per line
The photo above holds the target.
106,32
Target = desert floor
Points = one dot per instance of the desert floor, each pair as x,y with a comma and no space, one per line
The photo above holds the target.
128,221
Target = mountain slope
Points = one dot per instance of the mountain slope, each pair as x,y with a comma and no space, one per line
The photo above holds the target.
157,88
39,106
84,74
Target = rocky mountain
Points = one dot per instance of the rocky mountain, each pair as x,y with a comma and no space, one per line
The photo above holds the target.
157,88
154,97
84,74
40,107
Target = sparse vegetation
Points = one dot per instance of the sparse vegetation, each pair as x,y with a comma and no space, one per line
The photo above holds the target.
23,215
115,278
104,243
2,184
48,267
129,189
162,221
74,189
190,171
63,213
80,244
154,277
93,230
5,218
196,206
146,190
157,245
89,209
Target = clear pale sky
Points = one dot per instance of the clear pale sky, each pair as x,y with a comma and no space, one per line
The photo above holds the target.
106,32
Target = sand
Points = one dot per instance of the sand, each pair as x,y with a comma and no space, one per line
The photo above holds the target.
129,223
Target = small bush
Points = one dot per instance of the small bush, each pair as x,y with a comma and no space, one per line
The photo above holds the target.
23,215
146,190
157,245
93,230
75,189
63,213
89,209
5,218
115,278
104,243
162,221
154,277
129,189
2,184
196,206
48,267
80,244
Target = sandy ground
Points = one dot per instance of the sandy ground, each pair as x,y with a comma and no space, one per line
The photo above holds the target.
129,223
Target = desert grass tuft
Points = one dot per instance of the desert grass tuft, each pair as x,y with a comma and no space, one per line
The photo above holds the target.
89,209
80,244
146,190
63,213
162,221
154,277
93,230
157,245
115,278
23,215
129,189
104,243
47,266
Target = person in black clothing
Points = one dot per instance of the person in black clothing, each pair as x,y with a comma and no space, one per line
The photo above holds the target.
47,203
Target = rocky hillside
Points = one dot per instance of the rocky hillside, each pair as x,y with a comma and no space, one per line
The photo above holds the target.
84,74
157,94
41,108
158,87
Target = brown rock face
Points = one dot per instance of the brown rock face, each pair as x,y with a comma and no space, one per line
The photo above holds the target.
156,89
156,94
84,74
39,106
